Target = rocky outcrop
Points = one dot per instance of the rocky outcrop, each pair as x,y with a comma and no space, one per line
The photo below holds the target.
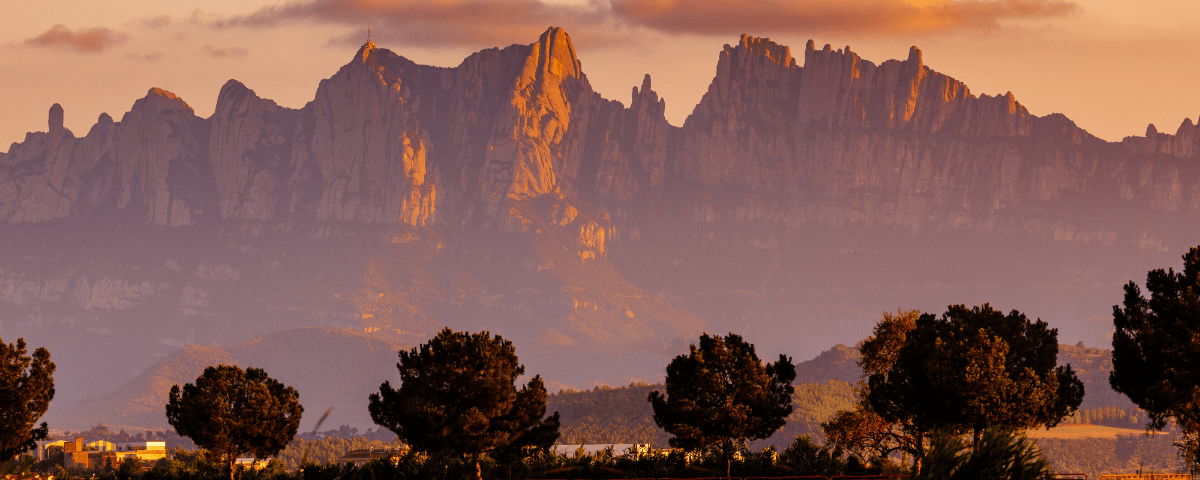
250,148
153,163
387,141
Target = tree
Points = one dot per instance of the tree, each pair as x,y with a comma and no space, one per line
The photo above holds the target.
231,412
976,368
26,388
862,430
1156,351
458,396
721,392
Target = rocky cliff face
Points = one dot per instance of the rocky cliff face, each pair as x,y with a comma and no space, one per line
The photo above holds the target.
506,194
153,163
387,141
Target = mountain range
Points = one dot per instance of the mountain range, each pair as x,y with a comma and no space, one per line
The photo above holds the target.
800,199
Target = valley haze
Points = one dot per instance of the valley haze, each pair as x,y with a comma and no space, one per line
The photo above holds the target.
802,197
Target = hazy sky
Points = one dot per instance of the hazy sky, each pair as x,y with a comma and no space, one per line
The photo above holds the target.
1112,66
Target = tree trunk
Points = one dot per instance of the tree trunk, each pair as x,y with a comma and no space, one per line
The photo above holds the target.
920,453
726,447
478,471
230,459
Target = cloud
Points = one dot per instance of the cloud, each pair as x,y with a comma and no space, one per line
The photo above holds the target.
802,17
485,23
439,23
151,22
90,40
146,57
231,52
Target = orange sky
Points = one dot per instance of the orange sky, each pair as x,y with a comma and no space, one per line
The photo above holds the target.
1112,66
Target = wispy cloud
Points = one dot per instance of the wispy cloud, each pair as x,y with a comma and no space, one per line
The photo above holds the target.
157,21
434,23
455,23
146,57
231,52
88,40
732,17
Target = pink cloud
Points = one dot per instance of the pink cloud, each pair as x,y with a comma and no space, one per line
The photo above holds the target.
230,52
732,17
433,23
146,57
484,23
88,40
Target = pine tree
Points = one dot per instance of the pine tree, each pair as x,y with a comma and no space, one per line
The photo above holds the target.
231,412
458,396
26,388
720,393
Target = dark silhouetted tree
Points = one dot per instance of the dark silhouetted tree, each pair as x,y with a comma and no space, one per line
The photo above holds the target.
458,396
861,430
1156,351
721,392
231,412
975,368
26,388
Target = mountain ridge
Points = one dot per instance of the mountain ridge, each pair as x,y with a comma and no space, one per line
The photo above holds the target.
505,194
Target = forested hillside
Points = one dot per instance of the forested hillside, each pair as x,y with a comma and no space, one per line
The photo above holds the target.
1124,454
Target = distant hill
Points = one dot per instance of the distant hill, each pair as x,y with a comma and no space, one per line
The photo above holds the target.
837,363
607,415
1092,366
329,366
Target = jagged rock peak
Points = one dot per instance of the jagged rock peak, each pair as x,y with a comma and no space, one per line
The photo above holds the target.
232,87
56,118
556,54
158,93
365,51
646,92
914,56
779,54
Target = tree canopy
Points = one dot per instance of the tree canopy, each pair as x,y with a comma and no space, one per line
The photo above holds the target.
458,395
721,392
26,388
1155,349
975,368
862,430
231,412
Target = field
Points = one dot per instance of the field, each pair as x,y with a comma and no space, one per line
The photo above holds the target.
1075,431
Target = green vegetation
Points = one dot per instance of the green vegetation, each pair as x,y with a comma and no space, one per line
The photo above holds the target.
101,432
1132,417
1155,344
607,415
232,412
327,450
998,455
802,458
1124,454
458,397
721,393
26,388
